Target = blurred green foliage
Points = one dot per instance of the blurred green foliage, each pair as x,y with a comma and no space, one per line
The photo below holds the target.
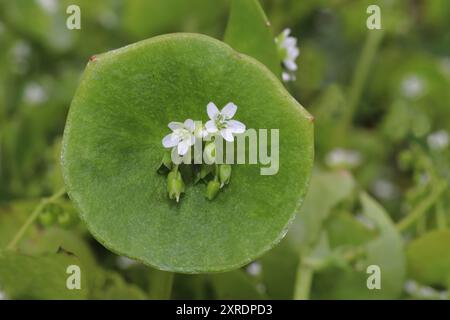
392,145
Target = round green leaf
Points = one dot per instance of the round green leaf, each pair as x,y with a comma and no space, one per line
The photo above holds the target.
112,150
429,258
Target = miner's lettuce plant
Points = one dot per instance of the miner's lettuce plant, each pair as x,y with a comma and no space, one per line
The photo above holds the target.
112,150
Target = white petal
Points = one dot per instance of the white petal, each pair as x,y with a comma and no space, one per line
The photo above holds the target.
211,126
286,32
183,147
190,125
286,77
229,110
212,110
227,135
236,126
175,125
170,141
290,42
290,65
192,140
293,53
204,133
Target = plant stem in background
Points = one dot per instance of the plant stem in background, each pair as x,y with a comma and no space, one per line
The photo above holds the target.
161,285
423,206
12,245
441,219
360,75
303,283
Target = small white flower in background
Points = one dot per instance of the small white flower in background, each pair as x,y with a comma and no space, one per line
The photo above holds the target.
384,189
254,269
2,295
20,56
108,19
51,6
221,121
438,140
411,287
413,87
365,220
182,136
445,65
343,158
34,94
288,52
414,289
125,263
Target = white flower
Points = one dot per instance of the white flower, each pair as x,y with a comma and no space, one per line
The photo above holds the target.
124,262
3,295
221,121
34,94
384,189
288,76
366,221
343,158
411,287
182,136
51,6
288,51
254,269
413,87
438,140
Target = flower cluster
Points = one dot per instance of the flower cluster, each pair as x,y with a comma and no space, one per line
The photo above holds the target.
288,52
184,136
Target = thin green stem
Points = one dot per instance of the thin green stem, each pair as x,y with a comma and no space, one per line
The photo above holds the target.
216,173
19,235
161,286
423,207
360,75
303,282
421,225
441,219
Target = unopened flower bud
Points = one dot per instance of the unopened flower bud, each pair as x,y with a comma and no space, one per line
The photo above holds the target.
212,189
67,219
47,218
50,213
224,174
175,185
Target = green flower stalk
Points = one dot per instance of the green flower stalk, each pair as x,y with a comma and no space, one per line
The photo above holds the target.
210,152
166,163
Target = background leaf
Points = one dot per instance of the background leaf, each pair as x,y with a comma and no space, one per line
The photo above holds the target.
429,258
40,277
386,250
248,31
